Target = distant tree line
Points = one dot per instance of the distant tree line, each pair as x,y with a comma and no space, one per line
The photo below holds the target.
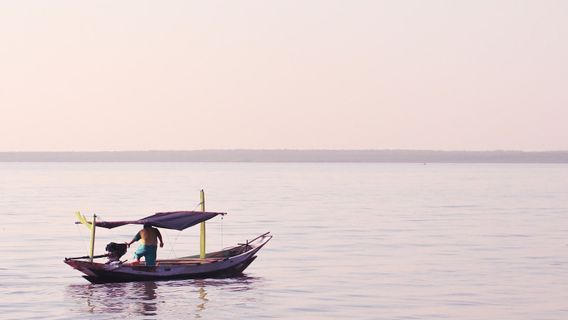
386,156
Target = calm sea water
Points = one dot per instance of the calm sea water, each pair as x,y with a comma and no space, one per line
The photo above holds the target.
360,241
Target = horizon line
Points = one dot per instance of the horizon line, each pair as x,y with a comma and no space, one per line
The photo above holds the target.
291,155
287,149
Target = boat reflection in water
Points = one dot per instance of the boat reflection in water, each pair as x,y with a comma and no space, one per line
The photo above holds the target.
147,293
149,298
132,298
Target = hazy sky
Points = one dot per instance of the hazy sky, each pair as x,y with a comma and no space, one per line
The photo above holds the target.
177,75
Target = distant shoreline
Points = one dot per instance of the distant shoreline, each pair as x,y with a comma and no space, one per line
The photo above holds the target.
249,155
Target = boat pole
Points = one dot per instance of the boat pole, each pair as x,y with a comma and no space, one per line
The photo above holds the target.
93,227
202,227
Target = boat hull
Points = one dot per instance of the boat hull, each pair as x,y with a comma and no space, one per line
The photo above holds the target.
227,263
103,276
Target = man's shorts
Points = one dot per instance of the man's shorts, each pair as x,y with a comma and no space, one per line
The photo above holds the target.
149,252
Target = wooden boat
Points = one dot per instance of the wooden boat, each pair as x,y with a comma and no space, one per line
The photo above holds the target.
225,263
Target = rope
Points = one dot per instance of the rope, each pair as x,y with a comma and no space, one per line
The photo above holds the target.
171,243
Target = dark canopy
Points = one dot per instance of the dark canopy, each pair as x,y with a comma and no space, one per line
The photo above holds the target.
177,220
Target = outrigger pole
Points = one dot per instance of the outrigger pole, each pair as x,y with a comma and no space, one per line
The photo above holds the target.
202,227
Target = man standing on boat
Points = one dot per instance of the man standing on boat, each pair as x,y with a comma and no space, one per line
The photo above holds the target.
148,245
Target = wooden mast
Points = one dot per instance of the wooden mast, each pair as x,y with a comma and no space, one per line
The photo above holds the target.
202,227
93,227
